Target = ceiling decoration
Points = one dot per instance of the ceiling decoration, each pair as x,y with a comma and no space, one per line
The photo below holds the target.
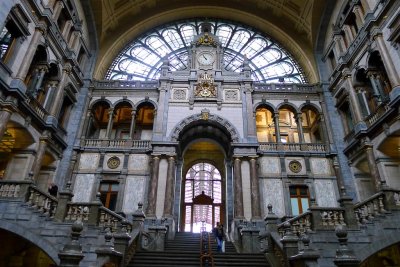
142,59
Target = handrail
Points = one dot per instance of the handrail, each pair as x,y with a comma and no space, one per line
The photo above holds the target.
368,209
299,224
310,147
205,249
109,218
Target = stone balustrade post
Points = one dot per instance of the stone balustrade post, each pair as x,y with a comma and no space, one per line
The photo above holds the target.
344,256
71,255
121,239
64,197
158,235
346,202
306,257
106,254
250,242
289,242
94,210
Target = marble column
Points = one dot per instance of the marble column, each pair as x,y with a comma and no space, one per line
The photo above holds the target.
276,122
5,115
238,198
387,61
251,127
375,86
373,167
354,101
339,46
57,10
59,95
169,190
299,122
65,30
37,87
358,12
255,190
49,95
339,177
37,163
133,122
27,59
152,195
348,33
110,123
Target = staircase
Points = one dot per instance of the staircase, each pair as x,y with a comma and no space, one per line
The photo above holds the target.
184,250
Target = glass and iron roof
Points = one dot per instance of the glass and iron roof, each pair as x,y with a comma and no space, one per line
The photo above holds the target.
141,59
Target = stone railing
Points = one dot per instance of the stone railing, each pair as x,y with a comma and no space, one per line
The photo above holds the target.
370,208
37,107
10,189
309,147
371,119
117,143
42,201
116,84
286,87
299,225
110,219
78,212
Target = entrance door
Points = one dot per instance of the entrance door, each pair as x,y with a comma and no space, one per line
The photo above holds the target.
202,205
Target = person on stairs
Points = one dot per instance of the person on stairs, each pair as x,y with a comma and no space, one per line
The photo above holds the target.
220,238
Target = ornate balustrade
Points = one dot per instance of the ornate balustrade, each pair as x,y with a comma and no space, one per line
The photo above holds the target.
286,87
297,147
37,107
42,201
371,119
78,212
10,189
105,84
110,219
117,143
299,225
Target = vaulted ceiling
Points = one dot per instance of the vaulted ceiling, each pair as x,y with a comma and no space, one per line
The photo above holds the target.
293,23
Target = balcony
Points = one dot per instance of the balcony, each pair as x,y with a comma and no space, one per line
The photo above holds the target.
293,147
286,87
116,84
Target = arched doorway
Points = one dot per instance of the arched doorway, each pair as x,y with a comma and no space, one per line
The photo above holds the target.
203,186
203,197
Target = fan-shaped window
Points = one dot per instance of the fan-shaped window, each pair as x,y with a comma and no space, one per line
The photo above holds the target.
142,59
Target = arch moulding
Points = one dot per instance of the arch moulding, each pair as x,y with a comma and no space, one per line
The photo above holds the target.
205,116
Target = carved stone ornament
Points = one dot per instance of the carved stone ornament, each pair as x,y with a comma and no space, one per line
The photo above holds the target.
205,86
205,113
113,162
295,166
206,40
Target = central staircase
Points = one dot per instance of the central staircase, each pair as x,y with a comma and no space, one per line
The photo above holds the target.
184,250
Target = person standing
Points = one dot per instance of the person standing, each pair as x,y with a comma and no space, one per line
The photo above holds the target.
220,238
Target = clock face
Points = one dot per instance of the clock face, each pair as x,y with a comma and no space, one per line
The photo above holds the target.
206,58
113,162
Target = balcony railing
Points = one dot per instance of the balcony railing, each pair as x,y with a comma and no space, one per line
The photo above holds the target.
117,143
37,107
310,147
286,87
116,84
371,119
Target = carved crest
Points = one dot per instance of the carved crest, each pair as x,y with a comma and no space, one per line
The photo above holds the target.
206,40
205,86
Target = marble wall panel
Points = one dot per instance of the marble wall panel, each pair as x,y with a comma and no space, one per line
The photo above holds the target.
272,193
246,189
135,188
269,166
325,193
320,166
83,187
392,175
18,167
89,161
162,181
139,163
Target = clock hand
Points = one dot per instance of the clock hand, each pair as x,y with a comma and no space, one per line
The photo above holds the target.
204,56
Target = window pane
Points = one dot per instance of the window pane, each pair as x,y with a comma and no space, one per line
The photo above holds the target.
295,206
304,204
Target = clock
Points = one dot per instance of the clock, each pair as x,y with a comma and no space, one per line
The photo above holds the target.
113,162
206,58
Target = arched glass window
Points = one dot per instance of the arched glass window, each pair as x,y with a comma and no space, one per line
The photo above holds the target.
142,59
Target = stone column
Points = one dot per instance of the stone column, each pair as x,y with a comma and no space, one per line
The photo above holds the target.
37,163
255,190
251,128
152,195
354,101
357,10
38,85
5,115
65,30
57,101
133,122
57,10
387,61
348,33
339,46
27,59
238,198
276,122
49,94
299,121
373,168
110,123
378,93
169,190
